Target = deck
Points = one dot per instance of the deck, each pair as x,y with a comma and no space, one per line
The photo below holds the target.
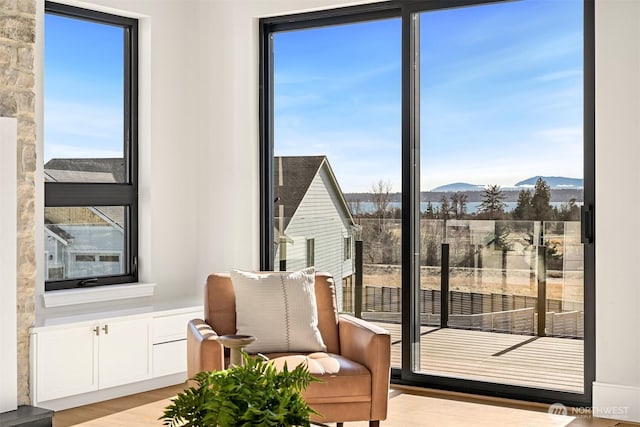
523,360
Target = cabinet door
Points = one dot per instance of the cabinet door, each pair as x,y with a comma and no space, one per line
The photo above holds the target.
66,362
125,352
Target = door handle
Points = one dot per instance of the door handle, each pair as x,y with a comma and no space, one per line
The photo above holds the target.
96,330
586,215
105,328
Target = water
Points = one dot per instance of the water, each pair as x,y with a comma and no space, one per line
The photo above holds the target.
472,207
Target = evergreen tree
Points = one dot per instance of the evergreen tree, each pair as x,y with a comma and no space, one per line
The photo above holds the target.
542,209
444,207
430,214
453,208
492,206
524,208
569,211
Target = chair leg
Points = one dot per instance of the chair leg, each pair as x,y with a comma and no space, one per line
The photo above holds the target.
375,423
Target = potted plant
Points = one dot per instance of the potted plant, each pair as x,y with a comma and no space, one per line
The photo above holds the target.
255,394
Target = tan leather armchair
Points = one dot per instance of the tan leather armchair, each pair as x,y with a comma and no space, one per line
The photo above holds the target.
359,391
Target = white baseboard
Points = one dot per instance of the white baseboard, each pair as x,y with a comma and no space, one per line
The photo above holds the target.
112,393
618,402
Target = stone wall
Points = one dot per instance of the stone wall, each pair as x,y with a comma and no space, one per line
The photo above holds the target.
17,99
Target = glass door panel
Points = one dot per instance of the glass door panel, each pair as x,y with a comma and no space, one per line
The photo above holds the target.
501,180
337,161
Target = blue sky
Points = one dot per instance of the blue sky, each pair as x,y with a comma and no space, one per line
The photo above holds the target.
83,108
501,95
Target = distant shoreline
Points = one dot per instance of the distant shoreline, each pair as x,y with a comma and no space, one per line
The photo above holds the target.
472,207
557,196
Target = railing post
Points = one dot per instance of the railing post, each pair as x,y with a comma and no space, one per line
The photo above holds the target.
444,286
357,298
542,290
478,264
504,270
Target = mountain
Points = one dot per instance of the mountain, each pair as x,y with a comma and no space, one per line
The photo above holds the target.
458,186
555,182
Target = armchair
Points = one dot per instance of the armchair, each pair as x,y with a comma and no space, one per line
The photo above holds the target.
357,392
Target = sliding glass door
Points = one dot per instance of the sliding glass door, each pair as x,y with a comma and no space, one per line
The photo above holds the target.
501,190
438,161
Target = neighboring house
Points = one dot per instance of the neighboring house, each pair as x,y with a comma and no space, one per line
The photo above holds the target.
84,241
313,223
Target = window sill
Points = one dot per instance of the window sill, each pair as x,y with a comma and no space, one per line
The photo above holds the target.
97,294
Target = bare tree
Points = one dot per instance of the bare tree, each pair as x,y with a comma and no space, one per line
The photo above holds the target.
459,204
381,197
355,206
378,233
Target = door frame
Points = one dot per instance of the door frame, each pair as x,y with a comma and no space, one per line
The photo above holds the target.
405,9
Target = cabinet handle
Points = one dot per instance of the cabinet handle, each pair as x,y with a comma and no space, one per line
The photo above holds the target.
105,328
97,330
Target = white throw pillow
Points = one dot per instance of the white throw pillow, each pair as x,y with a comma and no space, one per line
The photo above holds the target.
279,309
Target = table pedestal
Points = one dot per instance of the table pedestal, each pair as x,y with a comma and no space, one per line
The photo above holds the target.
235,344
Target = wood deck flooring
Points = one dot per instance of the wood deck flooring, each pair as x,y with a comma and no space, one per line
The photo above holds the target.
547,363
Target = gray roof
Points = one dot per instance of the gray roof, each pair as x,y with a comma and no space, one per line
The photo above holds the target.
291,180
86,170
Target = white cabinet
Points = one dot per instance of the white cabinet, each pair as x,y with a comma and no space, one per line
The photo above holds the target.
91,356
80,357
170,343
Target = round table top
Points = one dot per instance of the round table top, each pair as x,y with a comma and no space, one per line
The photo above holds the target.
236,340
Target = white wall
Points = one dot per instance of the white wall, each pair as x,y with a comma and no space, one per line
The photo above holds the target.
198,135
617,182
8,280
229,192
199,145
172,109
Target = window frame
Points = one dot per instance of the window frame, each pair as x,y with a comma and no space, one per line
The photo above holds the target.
405,9
87,194
347,248
311,252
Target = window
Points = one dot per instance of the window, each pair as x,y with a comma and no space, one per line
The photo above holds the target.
90,148
311,252
347,248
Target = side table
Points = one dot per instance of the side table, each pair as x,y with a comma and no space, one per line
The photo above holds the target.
235,344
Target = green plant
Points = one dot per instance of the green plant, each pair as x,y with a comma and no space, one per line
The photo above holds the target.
251,395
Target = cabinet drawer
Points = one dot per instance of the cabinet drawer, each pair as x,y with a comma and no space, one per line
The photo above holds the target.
169,358
172,327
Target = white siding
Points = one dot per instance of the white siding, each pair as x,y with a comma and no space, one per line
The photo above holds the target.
320,216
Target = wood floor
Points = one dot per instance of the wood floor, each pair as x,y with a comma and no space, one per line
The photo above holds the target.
407,407
547,363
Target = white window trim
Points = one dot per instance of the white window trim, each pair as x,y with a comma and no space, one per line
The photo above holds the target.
66,297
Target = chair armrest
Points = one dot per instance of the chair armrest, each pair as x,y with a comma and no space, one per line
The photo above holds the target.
204,351
369,345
